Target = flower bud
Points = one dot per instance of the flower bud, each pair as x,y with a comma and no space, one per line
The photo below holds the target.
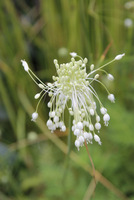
92,67
118,57
34,116
25,65
110,77
37,96
111,98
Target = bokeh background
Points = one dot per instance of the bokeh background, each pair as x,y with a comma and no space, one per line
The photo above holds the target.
33,163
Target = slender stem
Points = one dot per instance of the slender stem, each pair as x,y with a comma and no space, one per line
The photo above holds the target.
91,162
100,67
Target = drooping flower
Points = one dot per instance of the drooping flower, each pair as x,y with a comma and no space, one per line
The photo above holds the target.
72,89
34,116
110,77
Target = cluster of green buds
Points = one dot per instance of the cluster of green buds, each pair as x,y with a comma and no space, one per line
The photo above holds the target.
72,89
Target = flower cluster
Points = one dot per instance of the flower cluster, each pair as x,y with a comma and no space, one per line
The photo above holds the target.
72,89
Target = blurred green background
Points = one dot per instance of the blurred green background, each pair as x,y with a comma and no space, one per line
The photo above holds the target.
33,162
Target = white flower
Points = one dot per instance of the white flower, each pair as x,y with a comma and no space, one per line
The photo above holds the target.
118,57
91,111
91,127
37,96
97,118
25,65
97,139
88,136
49,123
77,132
128,22
106,119
77,144
110,77
81,139
80,125
92,67
103,110
34,116
56,119
72,89
49,104
73,54
98,126
63,128
111,98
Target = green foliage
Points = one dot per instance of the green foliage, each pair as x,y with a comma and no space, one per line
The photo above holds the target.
32,160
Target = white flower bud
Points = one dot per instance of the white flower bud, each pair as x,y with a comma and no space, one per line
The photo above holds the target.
80,125
77,132
88,136
52,114
97,118
91,127
61,124
128,22
77,144
98,126
41,86
55,61
94,105
97,139
49,104
73,128
34,116
96,76
118,57
73,54
37,96
110,77
103,110
91,111
25,65
56,119
111,98
85,60
81,139
49,84
63,128
53,127
106,119
49,123
92,67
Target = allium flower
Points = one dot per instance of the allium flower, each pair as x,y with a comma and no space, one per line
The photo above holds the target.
72,89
